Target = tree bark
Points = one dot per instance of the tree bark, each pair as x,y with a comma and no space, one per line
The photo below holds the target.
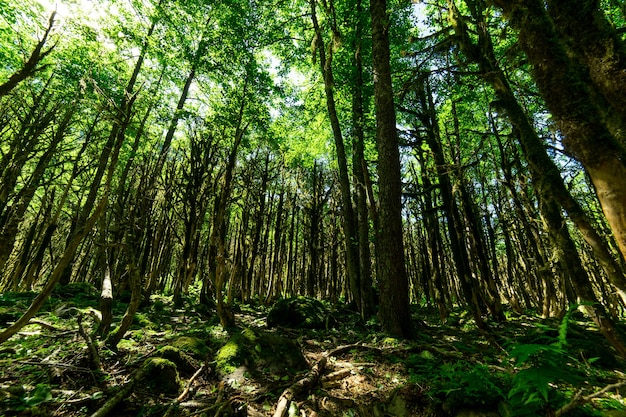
348,221
561,83
544,171
32,65
394,292
358,161
596,45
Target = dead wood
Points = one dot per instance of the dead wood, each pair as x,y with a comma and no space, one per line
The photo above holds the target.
45,325
580,399
123,393
300,386
93,349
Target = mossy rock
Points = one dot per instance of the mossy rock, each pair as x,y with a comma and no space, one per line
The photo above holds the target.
193,346
300,312
184,363
259,351
161,375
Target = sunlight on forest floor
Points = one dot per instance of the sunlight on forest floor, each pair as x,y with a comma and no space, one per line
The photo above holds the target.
182,363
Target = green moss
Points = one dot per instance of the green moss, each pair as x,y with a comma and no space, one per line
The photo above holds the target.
192,346
144,322
162,375
227,357
249,334
259,351
183,362
127,344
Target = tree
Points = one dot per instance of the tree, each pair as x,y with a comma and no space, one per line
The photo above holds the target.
392,276
572,102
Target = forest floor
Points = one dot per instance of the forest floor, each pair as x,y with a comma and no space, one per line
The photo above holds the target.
181,362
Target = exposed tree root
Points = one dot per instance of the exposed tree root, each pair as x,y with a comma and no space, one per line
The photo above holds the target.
300,386
313,376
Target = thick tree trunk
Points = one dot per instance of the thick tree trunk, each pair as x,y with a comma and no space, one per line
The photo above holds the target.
562,85
394,292
544,171
596,45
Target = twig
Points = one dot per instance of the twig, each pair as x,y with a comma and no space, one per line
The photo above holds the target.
183,395
57,364
579,399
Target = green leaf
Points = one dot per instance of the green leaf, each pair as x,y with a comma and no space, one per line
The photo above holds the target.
40,394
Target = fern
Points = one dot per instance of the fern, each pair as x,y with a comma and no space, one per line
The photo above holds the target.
543,367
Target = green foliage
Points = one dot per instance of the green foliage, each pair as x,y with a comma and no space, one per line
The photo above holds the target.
544,367
457,383
20,400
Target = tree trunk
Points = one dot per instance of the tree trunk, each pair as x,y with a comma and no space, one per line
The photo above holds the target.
561,83
348,221
394,292
595,43
358,161
544,171
31,66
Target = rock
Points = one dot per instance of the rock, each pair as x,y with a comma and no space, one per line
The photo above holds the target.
300,312
161,375
254,352
192,346
183,362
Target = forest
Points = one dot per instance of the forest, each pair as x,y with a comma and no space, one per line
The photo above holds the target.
312,208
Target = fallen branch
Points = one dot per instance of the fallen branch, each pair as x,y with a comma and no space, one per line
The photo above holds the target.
579,399
337,375
177,402
183,395
124,392
45,325
356,346
300,386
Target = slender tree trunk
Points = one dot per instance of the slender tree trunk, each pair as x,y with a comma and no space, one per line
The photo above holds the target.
55,276
32,66
358,161
348,221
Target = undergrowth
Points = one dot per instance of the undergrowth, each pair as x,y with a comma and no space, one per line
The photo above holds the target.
545,363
